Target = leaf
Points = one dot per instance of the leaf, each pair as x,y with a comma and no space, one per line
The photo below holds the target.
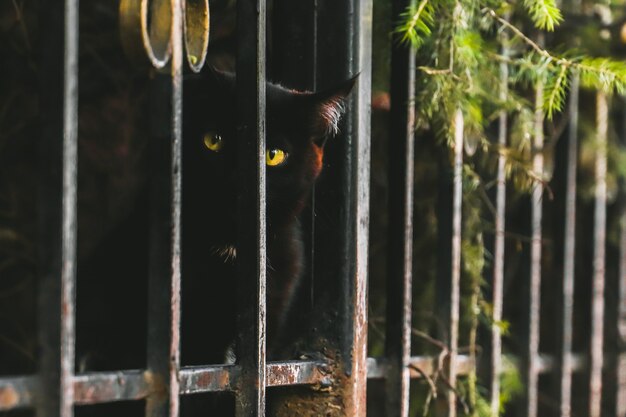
417,23
554,92
603,74
544,13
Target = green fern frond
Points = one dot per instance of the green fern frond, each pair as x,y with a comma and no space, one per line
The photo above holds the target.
416,23
554,92
603,74
544,13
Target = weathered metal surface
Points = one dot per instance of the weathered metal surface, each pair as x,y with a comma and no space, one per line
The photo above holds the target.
251,239
455,295
17,392
400,247
223,377
175,165
532,353
96,388
196,379
165,211
355,345
597,301
146,30
297,373
569,255
58,189
196,20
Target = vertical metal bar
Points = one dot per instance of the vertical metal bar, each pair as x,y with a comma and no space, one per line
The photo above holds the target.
569,254
400,253
498,255
455,295
165,273
597,302
532,371
344,49
251,240
355,345
402,123
176,202
621,314
58,209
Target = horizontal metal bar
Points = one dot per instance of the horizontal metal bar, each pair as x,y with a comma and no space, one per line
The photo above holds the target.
196,379
17,392
549,363
95,388
418,366
377,367
128,385
297,373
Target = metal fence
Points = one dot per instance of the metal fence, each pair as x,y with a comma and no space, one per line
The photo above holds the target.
334,41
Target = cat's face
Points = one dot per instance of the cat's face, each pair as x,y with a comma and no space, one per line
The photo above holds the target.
297,125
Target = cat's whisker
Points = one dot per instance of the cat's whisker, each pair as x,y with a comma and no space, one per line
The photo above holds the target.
228,253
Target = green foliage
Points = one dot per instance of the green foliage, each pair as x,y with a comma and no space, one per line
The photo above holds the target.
476,56
416,23
554,91
544,13
511,384
602,74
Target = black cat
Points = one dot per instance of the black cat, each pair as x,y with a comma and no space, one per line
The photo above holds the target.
298,123
111,337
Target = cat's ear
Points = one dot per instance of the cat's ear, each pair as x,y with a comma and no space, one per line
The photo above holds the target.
328,108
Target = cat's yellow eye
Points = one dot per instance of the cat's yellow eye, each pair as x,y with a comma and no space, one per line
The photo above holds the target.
274,157
213,141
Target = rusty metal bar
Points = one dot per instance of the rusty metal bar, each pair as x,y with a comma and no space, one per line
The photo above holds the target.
620,406
455,278
101,387
498,252
58,164
297,373
597,301
251,239
400,248
104,387
532,352
569,254
355,342
196,379
165,196
343,50
17,392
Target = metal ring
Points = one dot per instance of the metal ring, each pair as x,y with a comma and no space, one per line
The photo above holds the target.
196,32
145,29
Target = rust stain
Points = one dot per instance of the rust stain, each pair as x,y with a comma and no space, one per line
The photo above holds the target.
9,398
156,384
